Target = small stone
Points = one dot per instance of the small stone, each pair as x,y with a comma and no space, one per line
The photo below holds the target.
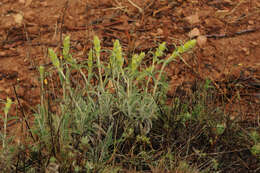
230,58
194,1
193,33
193,19
246,50
18,18
159,31
251,22
2,53
229,2
201,40
137,24
254,43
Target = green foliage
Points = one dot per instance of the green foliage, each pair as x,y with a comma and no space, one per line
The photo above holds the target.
255,150
104,116
6,119
116,103
7,151
54,59
136,61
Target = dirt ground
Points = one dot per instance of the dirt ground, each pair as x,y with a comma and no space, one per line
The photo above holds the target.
228,35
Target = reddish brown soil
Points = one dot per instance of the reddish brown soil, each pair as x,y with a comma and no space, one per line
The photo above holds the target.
230,57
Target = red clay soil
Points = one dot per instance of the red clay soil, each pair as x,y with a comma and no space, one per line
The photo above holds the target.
228,33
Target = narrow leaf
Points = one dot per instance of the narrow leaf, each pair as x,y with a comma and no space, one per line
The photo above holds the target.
66,46
7,105
54,59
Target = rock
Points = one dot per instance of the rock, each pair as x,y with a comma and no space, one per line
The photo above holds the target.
201,40
230,57
246,50
193,19
3,53
251,22
229,2
12,20
254,43
18,18
159,31
214,23
194,33
137,24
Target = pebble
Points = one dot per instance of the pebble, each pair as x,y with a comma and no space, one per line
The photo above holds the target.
159,31
246,50
194,32
230,57
251,22
254,43
193,19
18,18
201,40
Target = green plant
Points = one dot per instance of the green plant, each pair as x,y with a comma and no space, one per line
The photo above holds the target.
7,150
6,119
255,149
100,118
110,116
